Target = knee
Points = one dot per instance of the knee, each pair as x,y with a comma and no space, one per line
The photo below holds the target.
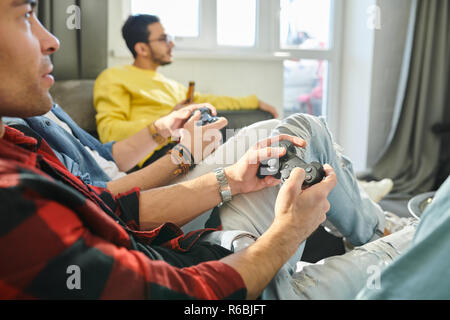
314,127
297,125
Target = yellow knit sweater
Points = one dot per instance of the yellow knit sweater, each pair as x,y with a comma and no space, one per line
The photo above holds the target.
127,99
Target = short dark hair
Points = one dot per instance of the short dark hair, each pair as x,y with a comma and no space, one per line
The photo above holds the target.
135,29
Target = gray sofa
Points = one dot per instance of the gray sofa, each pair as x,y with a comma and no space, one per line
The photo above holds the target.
76,98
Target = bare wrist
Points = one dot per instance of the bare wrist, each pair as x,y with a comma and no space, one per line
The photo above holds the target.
287,235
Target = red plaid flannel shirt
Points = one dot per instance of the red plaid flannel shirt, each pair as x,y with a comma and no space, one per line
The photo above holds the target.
51,221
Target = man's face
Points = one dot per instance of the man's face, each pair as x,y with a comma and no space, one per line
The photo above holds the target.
160,50
25,67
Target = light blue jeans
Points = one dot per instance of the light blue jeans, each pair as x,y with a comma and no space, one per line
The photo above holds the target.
352,212
343,277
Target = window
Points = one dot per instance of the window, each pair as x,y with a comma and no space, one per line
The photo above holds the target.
207,25
305,24
304,86
303,35
236,23
308,33
182,22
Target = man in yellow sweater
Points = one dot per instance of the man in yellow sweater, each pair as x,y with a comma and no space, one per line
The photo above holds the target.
129,98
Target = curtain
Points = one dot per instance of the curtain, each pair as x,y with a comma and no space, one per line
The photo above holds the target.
411,156
81,27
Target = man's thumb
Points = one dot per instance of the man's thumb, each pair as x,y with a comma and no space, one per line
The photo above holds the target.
295,181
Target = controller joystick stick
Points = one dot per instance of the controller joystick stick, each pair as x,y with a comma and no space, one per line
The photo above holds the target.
281,168
206,116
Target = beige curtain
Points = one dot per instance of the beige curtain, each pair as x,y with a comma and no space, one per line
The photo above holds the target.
83,52
411,157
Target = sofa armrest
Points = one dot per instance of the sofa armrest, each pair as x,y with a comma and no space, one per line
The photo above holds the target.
238,119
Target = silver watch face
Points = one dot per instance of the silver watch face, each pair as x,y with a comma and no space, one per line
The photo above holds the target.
224,187
220,174
226,194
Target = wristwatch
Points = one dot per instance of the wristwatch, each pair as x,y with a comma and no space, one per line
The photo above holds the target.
224,187
159,139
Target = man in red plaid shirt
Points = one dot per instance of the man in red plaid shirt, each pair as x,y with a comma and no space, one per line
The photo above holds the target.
51,222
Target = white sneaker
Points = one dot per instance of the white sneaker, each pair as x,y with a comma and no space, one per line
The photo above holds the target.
395,223
377,190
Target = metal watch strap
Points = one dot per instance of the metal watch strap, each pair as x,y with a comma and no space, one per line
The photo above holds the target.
224,187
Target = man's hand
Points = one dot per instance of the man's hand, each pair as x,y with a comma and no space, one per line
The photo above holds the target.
242,175
297,214
181,105
267,107
168,125
201,140
302,211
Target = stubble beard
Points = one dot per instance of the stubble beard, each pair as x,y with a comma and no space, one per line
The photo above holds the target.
25,102
161,61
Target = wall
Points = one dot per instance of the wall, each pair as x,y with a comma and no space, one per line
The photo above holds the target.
389,47
356,79
371,64
232,77
82,53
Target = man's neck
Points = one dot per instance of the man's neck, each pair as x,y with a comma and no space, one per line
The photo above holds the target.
145,64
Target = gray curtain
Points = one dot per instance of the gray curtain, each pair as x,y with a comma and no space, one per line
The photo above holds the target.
83,52
411,156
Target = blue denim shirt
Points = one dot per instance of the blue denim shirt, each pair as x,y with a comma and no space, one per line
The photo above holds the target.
422,271
67,148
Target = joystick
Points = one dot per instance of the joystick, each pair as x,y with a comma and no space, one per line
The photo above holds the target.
206,116
281,168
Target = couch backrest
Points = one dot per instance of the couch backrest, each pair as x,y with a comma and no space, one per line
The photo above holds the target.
76,98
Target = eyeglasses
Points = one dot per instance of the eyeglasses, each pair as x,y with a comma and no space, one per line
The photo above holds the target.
165,38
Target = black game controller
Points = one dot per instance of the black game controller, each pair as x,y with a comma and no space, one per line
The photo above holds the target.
281,168
206,116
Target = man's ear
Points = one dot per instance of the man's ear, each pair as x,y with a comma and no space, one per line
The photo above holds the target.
141,49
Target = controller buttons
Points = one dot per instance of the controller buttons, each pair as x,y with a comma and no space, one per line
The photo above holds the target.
282,167
272,163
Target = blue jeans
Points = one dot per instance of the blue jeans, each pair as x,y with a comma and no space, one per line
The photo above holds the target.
352,212
343,277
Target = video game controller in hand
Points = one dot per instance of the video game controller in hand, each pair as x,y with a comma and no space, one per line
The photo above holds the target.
281,168
206,116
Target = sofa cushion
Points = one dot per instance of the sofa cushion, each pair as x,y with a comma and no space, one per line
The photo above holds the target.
76,98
